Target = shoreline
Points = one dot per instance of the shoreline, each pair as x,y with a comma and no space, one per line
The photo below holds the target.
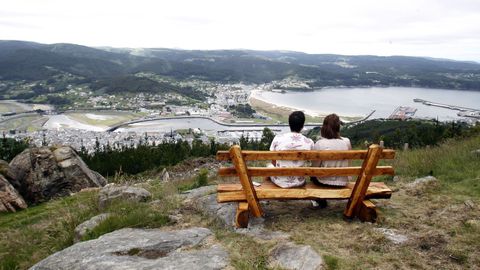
284,111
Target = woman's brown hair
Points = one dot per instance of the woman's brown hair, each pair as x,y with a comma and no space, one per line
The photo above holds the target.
331,127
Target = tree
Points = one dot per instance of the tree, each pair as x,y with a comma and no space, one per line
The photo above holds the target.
267,138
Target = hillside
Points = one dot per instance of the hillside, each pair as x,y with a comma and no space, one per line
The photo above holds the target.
32,61
436,222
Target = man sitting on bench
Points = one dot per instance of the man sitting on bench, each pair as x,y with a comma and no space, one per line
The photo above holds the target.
293,140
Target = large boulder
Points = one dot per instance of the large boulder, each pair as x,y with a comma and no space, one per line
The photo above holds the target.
44,173
141,249
10,200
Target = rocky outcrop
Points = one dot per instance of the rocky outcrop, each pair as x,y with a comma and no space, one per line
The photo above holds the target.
225,212
82,229
141,249
44,173
10,200
112,193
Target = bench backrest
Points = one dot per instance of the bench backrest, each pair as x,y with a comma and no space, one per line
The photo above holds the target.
364,173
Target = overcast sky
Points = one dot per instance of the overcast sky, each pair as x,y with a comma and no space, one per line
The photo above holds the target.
443,29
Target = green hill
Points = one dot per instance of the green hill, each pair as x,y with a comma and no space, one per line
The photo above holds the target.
33,61
440,219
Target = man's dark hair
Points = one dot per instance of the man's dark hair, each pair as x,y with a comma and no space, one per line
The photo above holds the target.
331,127
296,121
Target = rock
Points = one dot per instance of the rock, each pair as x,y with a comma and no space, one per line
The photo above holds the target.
476,152
10,200
420,185
298,257
223,211
196,193
111,193
396,178
256,228
43,173
141,249
470,204
392,235
82,229
176,218
9,174
165,176
423,181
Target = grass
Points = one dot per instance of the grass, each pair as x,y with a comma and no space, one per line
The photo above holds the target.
34,233
443,230
435,217
30,235
453,162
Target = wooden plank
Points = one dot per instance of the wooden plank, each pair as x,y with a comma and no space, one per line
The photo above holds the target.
363,181
305,171
305,155
310,191
242,215
367,211
248,189
309,185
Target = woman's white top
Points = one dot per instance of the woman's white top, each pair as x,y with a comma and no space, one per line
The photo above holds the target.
332,144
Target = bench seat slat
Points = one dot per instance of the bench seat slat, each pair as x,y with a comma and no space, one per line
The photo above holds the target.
305,171
306,155
234,192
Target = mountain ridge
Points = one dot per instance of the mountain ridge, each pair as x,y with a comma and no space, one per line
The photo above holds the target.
21,60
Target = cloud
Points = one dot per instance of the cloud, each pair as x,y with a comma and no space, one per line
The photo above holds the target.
436,28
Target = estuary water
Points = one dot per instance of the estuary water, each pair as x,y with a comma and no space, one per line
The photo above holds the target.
359,102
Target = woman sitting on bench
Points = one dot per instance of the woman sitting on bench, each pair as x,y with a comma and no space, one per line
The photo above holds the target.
331,140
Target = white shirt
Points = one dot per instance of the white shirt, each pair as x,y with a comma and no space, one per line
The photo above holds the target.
290,141
332,144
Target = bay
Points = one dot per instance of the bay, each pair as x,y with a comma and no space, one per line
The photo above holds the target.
359,102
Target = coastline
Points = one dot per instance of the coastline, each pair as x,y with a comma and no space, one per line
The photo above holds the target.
284,111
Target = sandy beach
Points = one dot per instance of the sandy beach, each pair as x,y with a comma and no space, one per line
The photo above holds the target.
257,102
260,104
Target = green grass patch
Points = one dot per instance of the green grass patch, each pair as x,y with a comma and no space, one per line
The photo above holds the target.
30,235
128,215
454,163
331,262
200,180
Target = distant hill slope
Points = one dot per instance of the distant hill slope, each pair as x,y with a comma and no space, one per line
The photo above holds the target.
21,60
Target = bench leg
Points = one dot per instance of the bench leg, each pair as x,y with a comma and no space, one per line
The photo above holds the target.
241,218
367,211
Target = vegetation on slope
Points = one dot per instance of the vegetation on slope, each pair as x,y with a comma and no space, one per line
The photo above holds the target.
440,219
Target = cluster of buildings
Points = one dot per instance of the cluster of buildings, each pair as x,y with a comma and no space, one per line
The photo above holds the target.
91,140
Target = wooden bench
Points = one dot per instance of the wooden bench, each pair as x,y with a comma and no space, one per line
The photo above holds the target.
358,193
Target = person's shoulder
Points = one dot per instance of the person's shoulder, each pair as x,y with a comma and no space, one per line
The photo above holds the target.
320,143
307,140
321,140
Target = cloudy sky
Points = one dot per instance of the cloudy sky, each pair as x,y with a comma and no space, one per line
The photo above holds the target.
443,29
